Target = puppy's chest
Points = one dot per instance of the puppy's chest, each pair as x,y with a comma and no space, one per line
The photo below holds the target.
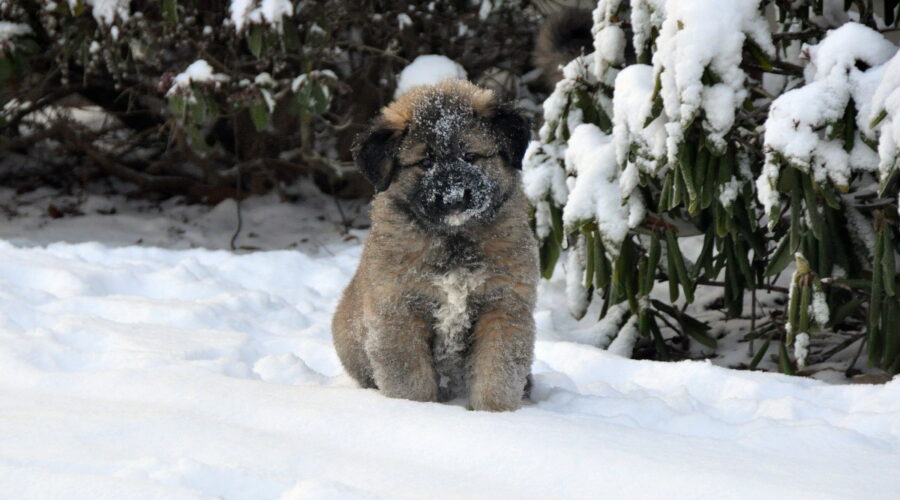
455,292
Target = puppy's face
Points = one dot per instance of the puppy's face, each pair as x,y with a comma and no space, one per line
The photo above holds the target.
447,156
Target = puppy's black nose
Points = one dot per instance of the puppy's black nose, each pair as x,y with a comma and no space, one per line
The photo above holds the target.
455,199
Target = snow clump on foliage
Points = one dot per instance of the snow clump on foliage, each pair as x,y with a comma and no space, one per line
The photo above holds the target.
426,70
835,75
198,72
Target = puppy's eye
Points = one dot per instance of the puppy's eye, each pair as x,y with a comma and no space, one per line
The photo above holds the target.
472,157
426,163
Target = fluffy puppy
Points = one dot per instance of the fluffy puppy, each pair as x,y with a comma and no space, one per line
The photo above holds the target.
441,304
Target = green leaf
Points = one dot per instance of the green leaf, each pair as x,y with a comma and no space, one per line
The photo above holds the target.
743,262
795,220
665,193
652,261
891,325
759,55
198,108
680,268
656,97
259,114
844,310
805,298
849,126
687,158
549,254
873,332
601,265
759,354
705,259
671,271
812,208
590,252
784,362
176,104
255,40
659,342
887,259
690,326
170,11
320,99
878,119
708,180
289,36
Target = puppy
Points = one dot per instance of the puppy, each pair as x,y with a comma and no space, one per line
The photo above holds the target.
441,304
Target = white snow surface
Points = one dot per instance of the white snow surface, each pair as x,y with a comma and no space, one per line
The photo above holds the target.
144,372
426,70
147,373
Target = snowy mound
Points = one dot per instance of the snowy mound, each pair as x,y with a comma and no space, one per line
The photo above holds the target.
148,373
427,70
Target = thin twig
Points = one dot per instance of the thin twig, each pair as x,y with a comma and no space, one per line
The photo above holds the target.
237,199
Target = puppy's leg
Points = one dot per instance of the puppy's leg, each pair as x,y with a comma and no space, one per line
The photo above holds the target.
349,337
501,358
399,350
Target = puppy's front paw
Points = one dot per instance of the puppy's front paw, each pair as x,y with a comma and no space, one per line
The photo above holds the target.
416,386
495,397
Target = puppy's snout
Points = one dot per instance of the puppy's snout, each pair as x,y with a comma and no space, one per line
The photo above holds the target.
456,198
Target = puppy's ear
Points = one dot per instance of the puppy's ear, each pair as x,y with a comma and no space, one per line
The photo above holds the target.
373,152
514,131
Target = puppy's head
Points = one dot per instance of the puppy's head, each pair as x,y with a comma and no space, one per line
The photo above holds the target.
447,154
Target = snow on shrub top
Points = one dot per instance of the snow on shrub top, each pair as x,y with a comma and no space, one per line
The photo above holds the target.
246,12
9,30
884,115
596,193
106,11
631,108
199,71
427,70
834,76
697,40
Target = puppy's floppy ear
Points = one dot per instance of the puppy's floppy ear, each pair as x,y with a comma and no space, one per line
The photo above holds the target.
514,131
373,152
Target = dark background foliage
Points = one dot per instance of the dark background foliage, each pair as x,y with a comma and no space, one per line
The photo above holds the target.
247,134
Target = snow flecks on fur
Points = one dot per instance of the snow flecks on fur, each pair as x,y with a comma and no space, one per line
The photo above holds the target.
452,318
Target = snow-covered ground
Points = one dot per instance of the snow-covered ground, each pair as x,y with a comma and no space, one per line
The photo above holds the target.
133,371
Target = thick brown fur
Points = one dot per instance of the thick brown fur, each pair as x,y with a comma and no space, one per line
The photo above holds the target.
564,36
439,311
